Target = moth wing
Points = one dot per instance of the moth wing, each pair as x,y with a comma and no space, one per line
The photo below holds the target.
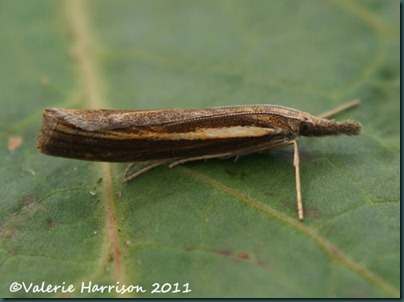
226,125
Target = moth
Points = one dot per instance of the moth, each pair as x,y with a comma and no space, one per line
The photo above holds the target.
178,136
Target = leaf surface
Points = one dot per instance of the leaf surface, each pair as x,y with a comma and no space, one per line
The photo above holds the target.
228,229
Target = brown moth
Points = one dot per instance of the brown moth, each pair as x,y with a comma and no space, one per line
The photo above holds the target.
181,135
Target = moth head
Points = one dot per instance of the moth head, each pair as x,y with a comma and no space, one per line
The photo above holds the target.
306,128
316,126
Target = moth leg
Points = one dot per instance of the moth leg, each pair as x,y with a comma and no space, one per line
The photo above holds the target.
128,168
188,159
296,163
239,153
141,171
273,145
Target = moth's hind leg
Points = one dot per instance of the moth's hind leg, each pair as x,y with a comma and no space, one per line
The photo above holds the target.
271,145
173,163
150,166
188,159
178,161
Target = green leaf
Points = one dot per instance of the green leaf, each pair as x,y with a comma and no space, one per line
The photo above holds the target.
228,229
